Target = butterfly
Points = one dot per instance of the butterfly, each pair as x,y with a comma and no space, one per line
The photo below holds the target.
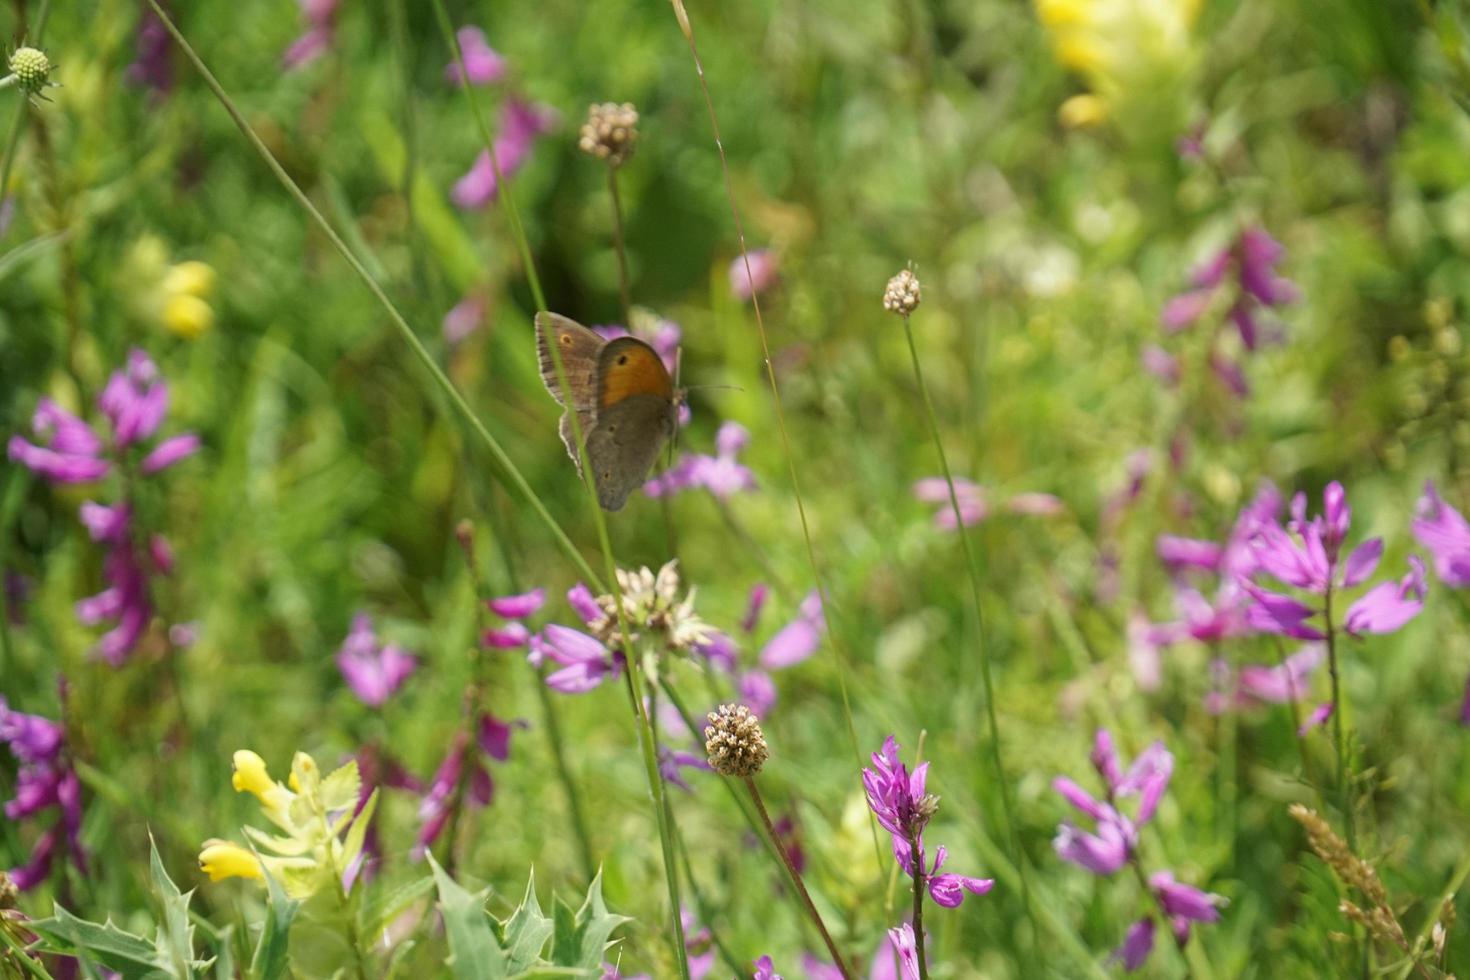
625,401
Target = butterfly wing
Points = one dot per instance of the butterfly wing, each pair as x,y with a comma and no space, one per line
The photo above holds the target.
627,366
624,444
580,349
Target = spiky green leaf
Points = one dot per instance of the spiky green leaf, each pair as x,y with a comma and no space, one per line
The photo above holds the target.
271,953
175,942
473,952
128,954
526,931
581,937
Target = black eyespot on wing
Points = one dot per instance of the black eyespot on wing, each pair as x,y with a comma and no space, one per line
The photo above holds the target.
622,358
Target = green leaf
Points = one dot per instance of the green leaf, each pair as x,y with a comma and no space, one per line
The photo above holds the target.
269,961
341,788
175,941
473,952
379,911
581,937
526,931
132,956
352,846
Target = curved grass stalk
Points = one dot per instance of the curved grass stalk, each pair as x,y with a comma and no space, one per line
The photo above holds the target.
843,660
416,346
441,380
992,723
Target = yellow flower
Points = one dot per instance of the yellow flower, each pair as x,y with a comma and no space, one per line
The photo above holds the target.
1082,110
323,829
187,315
221,859
192,278
251,777
184,293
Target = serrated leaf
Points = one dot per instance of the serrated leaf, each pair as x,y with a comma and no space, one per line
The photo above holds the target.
270,959
582,936
526,931
352,846
221,939
175,941
379,911
341,788
130,955
473,952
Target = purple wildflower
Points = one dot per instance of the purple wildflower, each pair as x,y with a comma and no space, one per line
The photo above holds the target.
671,761
765,970
152,68
45,781
376,769
70,452
1116,836
513,634
897,798
464,319
482,63
374,671
764,273
520,124
1317,718
974,507
1445,533
1161,364
321,18
585,661
720,474
792,644
907,949
462,777
1138,943
1253,258
1306,555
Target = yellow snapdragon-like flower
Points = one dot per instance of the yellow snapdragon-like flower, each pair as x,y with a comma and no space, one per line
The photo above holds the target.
221,859
1134,55
251,777
323,832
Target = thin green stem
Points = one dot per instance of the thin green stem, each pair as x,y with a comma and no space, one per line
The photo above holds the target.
502,190
656,788
624,288
18,126
741,803
436,373
1457,879
1339,741
992,723
564,773
794,877
843,660
917,857
701,904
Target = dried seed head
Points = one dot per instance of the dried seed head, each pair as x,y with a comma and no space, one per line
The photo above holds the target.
902,295
31,68
734,742
610,132
8,892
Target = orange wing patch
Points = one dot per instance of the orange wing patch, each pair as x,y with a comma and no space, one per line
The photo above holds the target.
627,367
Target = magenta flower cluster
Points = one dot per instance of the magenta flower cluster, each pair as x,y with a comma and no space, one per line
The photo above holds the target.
974,505
1113,843
45,782
519,124
68,451
1283,578
373,670
721,474
1243,275
897,798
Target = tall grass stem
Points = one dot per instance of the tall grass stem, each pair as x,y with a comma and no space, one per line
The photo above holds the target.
844,662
